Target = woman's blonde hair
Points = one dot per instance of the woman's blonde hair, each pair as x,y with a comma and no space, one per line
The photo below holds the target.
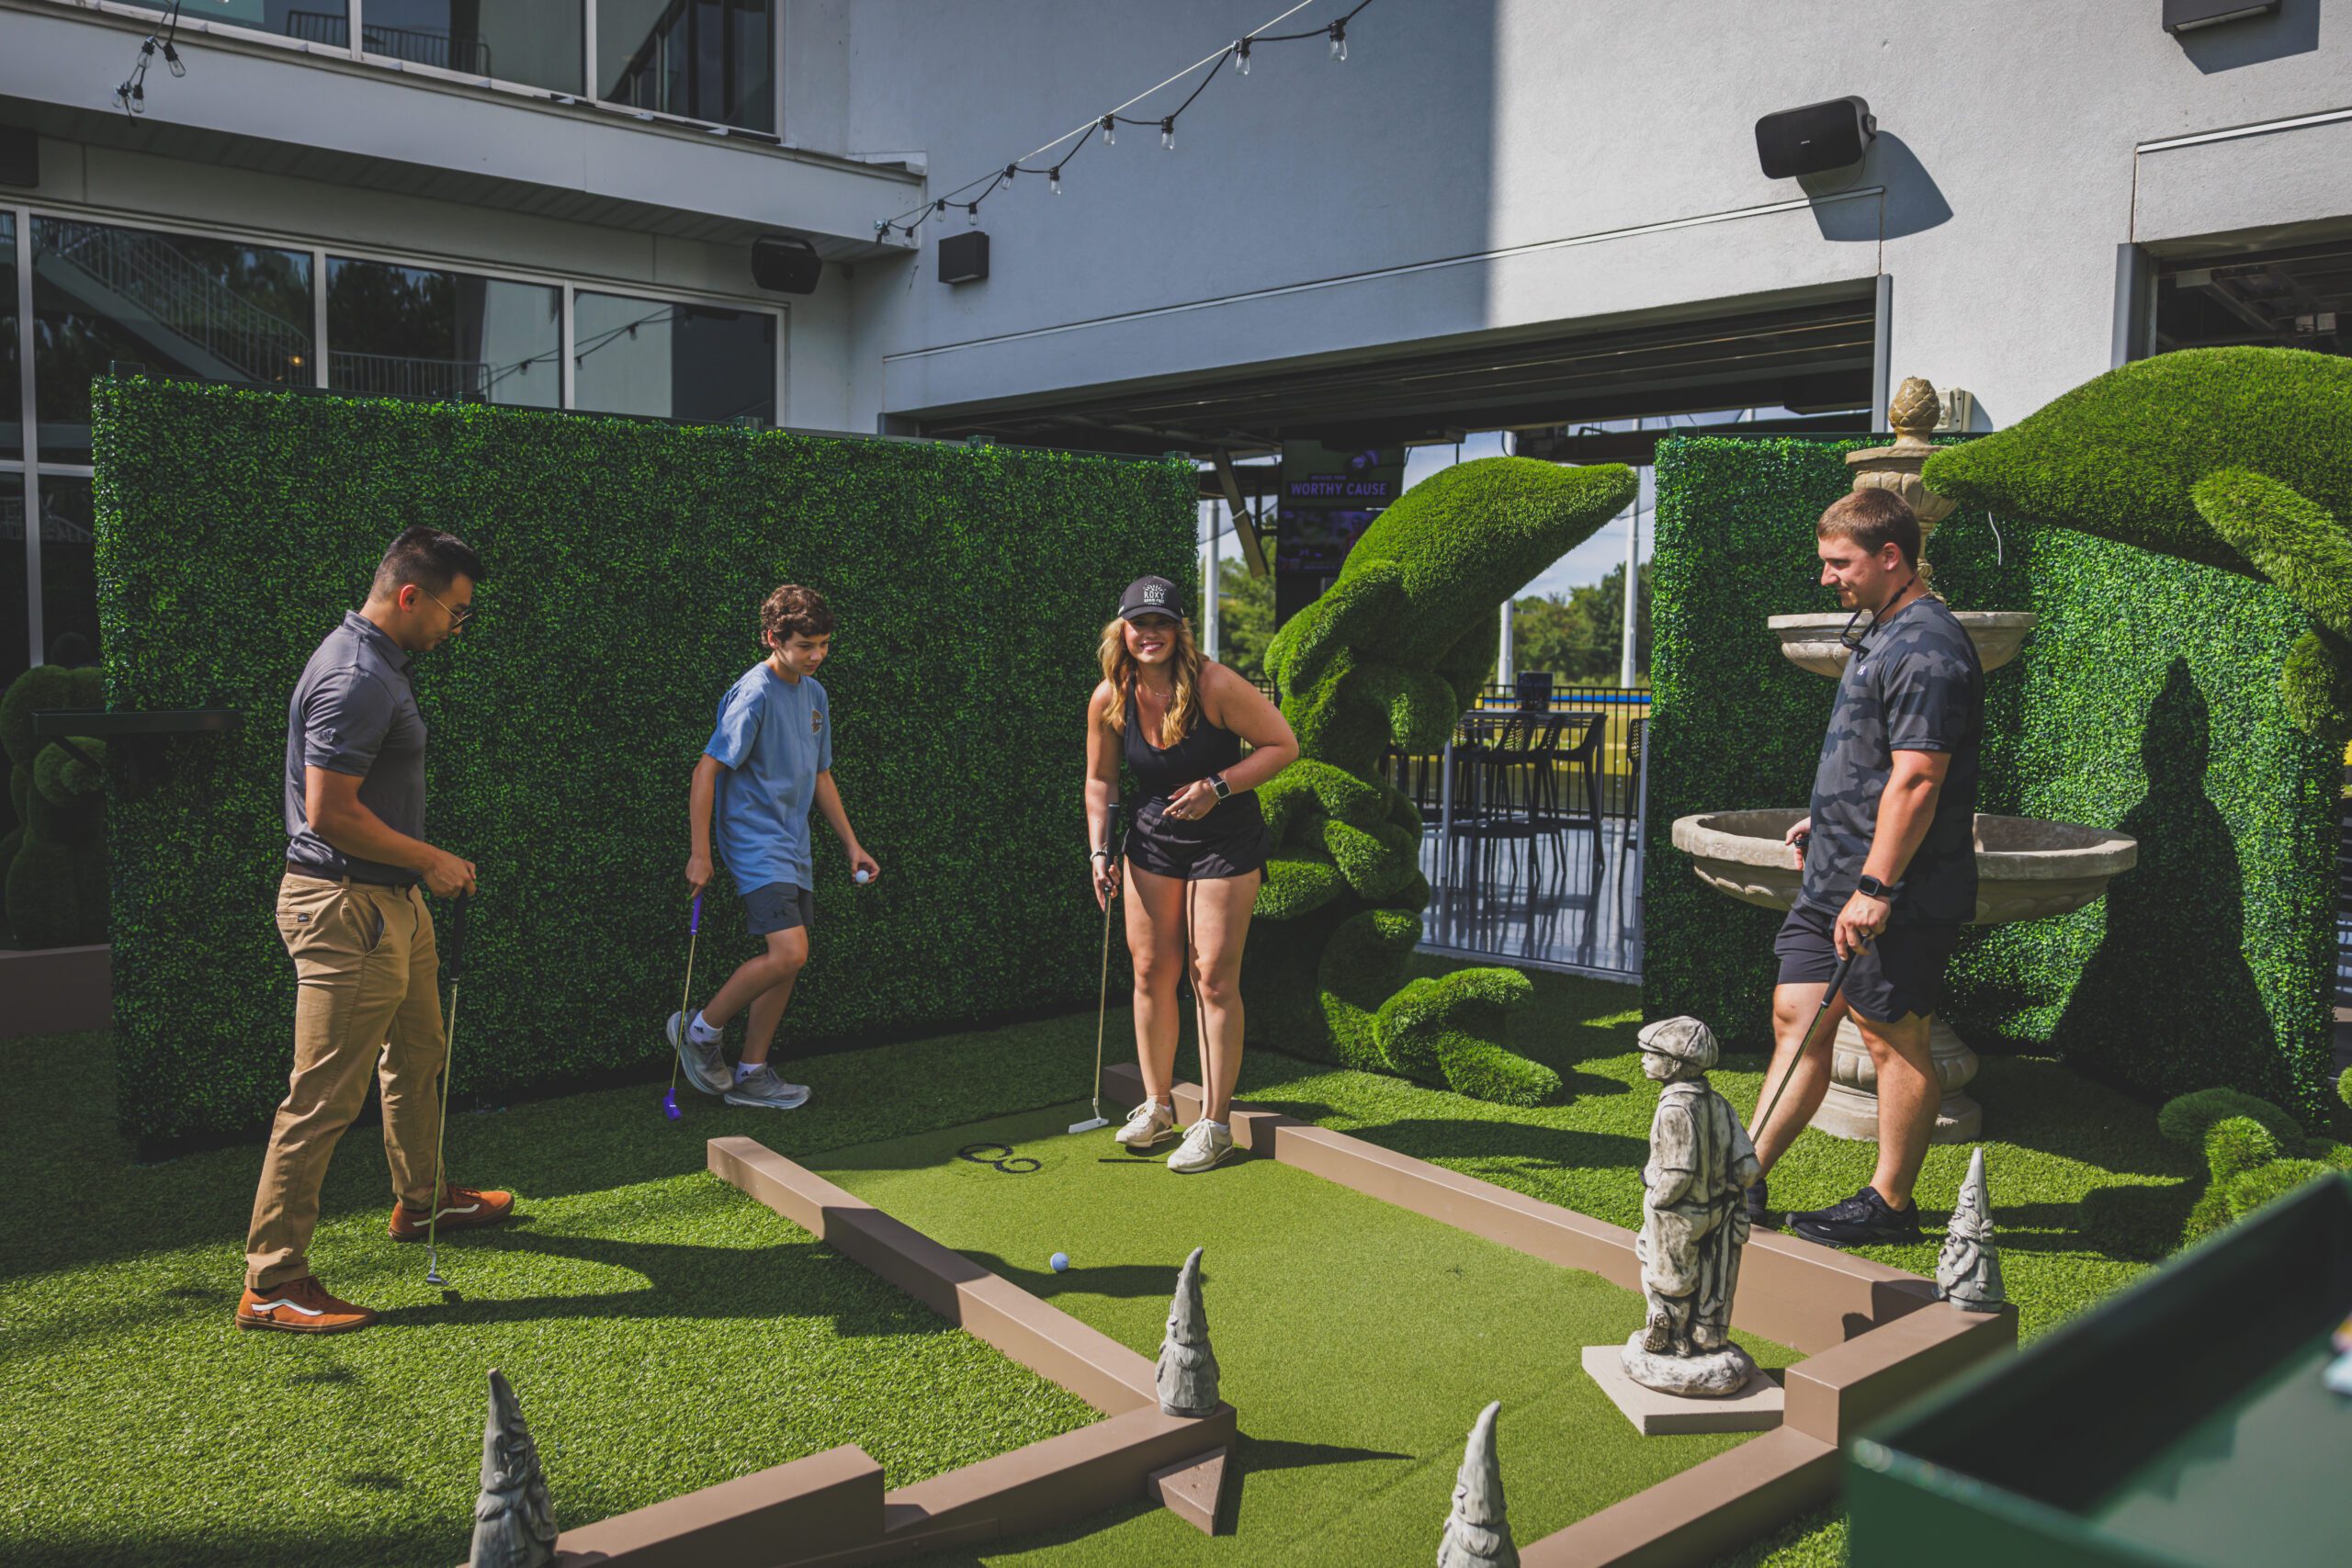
1119,668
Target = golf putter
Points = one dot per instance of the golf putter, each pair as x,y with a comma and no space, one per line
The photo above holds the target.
1836,983
1102,1006
449,1059
694,934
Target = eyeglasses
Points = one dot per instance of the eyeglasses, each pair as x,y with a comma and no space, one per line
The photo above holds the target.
457,618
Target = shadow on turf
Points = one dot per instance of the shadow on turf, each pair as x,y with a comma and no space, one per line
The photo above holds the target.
1122,1279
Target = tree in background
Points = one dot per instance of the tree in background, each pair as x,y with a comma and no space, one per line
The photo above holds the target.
1579,636
1245,617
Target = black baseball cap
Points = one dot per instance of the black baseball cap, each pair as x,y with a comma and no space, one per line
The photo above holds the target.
1150,596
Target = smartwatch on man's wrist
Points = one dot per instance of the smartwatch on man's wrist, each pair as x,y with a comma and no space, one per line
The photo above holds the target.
1872,887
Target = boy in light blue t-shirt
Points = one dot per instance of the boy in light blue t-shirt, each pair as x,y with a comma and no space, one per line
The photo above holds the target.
768,761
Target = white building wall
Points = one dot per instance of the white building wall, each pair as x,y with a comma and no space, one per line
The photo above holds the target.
1511,167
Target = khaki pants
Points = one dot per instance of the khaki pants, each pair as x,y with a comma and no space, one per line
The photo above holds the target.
368,1003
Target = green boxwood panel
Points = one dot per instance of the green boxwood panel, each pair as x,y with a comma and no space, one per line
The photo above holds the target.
628,561
2146,699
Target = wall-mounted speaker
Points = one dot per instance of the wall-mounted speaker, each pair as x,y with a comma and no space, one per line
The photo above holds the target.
964,258
784,265
19,156
1814,139
2188,16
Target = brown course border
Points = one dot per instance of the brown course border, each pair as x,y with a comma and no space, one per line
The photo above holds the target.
830,1508
1876,1337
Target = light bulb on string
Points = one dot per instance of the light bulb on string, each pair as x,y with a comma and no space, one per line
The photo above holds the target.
972,215
1339,41
1054,179
1241,56
1110,131
1168,133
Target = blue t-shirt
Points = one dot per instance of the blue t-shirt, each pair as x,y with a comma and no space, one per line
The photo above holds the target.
774,737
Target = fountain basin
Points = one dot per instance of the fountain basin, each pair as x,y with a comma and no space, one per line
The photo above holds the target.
2025,869
1810,641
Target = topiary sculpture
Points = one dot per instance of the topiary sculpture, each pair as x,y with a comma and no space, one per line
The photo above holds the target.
55,862
1392,656
2236,458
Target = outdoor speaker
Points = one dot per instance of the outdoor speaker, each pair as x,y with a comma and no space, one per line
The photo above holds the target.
1814,139
783,265
964,258
2187,16
19,156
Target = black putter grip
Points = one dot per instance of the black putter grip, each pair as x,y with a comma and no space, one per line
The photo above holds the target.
457,938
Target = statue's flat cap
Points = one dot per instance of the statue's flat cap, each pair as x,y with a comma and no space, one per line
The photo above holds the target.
1686,1039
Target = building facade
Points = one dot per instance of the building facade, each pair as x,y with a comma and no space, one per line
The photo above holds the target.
1536,214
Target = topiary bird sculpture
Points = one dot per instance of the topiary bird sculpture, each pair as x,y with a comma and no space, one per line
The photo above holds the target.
1391,657
2239,458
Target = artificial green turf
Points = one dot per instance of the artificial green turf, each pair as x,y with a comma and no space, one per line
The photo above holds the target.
665,1333
1358,1340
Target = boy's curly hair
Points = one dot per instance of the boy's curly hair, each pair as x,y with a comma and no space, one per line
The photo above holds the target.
793,610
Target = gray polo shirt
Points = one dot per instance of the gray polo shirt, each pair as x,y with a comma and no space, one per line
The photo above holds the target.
1916,685
355,712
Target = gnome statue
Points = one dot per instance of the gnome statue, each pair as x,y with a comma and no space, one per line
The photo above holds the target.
514,1521
1187,1370
1477,1535
1968,1270
1694,1221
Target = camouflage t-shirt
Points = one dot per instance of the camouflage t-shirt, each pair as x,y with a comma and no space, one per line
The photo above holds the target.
1916,685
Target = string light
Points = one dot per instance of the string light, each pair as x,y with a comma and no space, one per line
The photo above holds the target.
133,94
1107,125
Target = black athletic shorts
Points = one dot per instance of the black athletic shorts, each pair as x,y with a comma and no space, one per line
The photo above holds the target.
779,907
1901,971
1231,841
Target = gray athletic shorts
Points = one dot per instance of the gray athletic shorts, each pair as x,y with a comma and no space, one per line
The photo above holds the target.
779,907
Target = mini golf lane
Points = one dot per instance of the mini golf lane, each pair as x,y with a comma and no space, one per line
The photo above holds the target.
1358,1340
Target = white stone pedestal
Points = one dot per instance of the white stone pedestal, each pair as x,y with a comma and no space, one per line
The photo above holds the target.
1850,1108
1756,1408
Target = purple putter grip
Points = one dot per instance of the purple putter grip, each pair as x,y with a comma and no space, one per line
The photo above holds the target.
694,925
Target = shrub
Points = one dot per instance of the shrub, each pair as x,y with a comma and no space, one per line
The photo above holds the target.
2236,1145
2261,1185
2188,1120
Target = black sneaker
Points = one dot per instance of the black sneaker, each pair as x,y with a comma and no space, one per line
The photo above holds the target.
1759,1208
1863,1220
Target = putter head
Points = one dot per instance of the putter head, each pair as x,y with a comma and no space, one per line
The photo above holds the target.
669,1105
433,1277
1090,1124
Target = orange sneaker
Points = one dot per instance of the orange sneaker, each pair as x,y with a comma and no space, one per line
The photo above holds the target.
300,1306
462,1209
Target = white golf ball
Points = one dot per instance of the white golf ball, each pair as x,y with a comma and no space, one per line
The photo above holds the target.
1060,1260
864,876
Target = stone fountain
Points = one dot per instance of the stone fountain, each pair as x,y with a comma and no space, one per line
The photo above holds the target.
2025,869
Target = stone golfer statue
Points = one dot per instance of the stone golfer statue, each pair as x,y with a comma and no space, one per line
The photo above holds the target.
1694,1222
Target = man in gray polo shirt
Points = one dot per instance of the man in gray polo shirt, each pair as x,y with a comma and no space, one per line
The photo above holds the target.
354,918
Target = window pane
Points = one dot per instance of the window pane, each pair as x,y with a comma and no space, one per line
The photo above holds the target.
15,653
710,60
12,383
313,21
693,362
409,332
210,309
535,42
69,573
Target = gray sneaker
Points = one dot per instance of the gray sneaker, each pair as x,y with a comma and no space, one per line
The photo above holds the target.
763,1089
706,1067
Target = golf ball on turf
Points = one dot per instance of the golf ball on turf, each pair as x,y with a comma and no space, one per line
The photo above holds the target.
865,875
1060,1260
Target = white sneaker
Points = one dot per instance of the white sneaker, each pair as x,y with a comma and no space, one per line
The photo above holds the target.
762,1088
706,1069
1152,1124
1204,1146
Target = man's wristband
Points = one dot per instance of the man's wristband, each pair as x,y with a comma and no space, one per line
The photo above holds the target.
1097,854
1869,887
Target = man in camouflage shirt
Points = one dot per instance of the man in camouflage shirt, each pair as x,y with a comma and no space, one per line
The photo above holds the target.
1889,860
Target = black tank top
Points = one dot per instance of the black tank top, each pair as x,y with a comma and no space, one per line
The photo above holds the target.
1205,749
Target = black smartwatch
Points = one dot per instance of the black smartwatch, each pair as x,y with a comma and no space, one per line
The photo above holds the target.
1216,783
1872,887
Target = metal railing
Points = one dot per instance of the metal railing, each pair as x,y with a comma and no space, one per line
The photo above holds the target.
397,376
417,46
150,271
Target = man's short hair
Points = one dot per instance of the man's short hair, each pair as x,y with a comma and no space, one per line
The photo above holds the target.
1872,519
793,610
428,557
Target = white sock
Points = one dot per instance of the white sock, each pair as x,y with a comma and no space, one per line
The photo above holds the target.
745,1069
1218,1126
704,1034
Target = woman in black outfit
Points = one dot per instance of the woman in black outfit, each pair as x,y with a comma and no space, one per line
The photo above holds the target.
1195,850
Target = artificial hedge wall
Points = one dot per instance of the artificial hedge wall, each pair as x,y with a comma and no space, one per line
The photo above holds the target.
2146,699
627,562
